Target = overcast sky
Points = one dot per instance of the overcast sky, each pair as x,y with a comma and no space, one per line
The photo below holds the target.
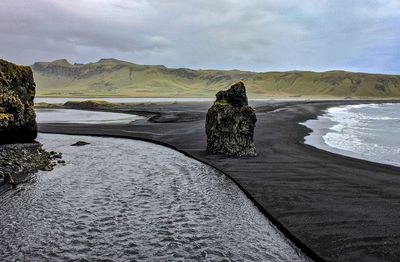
256,35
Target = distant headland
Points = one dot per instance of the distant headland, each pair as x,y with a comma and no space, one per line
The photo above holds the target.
116,78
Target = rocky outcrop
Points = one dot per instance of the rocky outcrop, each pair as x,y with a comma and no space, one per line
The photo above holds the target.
17,114
89,104
80,143
64,69
18,161
230,123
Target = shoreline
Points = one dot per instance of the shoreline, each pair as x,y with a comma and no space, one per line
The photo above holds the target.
267,190
322,126
212,98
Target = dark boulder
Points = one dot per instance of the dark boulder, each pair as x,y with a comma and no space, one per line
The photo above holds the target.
17,114
230,123
80,143
20,160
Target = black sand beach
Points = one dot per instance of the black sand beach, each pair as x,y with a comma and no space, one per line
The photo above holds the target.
342,209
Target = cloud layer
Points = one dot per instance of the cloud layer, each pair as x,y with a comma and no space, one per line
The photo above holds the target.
257,35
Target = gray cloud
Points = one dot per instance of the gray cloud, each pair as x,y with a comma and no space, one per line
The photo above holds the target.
258,35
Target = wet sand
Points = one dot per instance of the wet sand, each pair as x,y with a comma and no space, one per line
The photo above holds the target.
333,207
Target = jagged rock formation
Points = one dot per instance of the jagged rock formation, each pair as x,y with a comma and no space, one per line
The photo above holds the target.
17,161
230,123
17,114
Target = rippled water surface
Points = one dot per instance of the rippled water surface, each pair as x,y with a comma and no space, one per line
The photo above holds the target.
118,199
366,131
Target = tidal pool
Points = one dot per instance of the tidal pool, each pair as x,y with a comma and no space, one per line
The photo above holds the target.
83,116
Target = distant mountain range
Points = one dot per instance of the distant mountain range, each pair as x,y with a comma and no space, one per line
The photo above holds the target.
115,78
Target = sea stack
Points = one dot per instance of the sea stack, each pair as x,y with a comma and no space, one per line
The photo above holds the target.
230,123
17,114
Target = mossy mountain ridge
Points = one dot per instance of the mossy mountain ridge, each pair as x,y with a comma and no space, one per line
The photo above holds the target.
115,78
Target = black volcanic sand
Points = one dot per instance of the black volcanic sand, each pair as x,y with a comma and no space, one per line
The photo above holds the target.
342,209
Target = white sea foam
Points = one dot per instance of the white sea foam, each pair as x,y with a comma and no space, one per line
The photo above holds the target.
366,131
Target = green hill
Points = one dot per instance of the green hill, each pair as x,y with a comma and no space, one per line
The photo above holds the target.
115,78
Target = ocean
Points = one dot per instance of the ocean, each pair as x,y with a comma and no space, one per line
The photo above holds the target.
365,131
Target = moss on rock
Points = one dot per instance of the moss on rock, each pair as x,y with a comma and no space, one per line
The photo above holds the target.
89,104
230,123
17,91
19,161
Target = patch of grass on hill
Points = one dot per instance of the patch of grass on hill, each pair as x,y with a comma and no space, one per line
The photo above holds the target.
114,78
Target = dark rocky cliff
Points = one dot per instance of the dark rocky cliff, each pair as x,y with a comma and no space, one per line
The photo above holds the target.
17,114
230,123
